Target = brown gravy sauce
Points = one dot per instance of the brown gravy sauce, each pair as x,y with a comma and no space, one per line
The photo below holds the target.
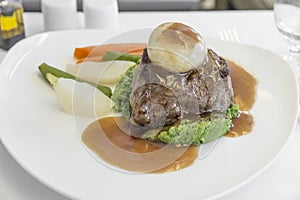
109,140
241,125
244,87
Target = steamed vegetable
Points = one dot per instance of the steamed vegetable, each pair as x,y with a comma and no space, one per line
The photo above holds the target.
108,72
100,50
133,56
79,98
90,59
113,55
47,69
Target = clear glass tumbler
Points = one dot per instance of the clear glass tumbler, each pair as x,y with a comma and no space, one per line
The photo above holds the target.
287,20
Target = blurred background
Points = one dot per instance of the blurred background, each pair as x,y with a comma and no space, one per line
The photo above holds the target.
173,5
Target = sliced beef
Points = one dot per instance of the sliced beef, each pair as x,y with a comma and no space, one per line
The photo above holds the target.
159,96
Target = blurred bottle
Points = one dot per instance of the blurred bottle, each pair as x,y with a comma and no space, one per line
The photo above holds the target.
11,23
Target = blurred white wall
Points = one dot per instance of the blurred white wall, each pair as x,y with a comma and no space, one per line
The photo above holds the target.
127,5
133,5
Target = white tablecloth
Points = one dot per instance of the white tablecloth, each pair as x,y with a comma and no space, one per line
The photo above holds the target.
279,181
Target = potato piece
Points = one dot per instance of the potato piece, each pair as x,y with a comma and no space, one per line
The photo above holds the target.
176,47
79,98
107,73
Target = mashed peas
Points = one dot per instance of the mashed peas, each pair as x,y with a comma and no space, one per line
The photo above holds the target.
122,92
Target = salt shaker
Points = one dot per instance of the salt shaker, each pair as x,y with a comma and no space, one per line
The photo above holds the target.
11,23
60,14
101,14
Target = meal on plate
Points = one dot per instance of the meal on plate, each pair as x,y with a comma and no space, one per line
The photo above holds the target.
155,103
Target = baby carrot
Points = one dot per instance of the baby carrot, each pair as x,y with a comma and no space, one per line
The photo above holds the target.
136,51
90,59
99,50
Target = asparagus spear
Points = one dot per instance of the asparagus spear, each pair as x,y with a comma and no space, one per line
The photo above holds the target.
45,69
113,55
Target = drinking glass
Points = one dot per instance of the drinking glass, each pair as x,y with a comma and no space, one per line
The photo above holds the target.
287,20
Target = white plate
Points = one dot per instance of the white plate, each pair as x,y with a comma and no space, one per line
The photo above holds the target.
44,140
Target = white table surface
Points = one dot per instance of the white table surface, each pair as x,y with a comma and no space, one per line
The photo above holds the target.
279,181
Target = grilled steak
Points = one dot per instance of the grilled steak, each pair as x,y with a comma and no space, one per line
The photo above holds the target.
159,96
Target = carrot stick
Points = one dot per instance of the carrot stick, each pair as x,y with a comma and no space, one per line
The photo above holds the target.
83,52
99,50
137,51
90,59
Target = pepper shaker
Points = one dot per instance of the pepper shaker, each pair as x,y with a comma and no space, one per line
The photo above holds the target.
59,14
101,14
